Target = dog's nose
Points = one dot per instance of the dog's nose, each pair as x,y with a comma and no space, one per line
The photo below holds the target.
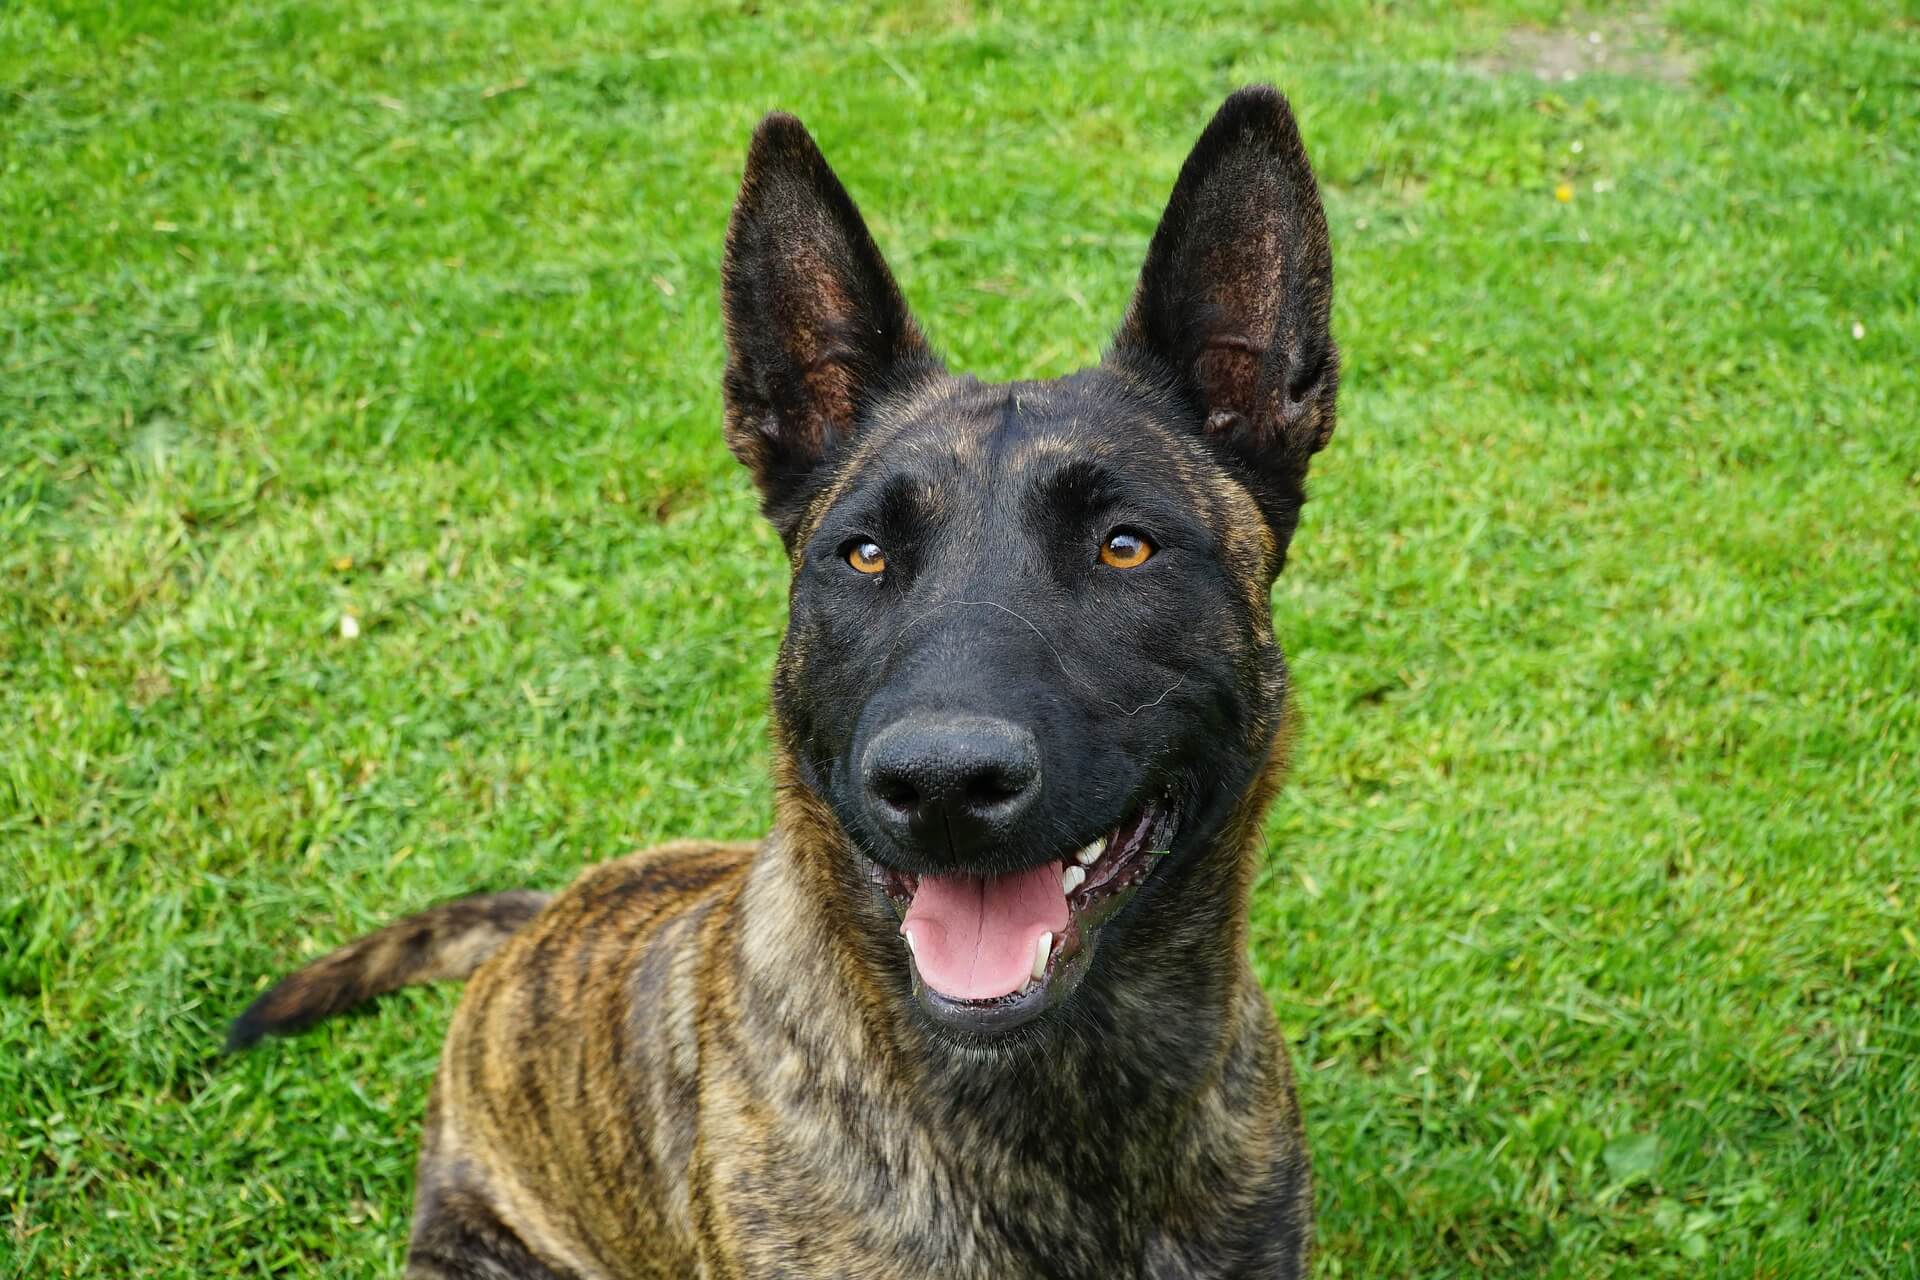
960,781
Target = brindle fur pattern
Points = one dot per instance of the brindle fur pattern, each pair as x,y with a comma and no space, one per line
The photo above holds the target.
704,1059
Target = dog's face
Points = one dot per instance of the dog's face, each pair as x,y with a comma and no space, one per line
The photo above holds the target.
1030,667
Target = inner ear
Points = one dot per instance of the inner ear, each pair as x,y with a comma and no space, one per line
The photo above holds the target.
1235,298
817,330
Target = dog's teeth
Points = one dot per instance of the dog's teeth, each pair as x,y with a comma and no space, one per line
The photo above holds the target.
1091,854
1041,946
1072,878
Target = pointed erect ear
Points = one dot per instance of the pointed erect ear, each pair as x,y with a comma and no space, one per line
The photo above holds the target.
1234,299
816,328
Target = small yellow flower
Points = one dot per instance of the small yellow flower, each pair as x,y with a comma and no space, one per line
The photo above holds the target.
1563,193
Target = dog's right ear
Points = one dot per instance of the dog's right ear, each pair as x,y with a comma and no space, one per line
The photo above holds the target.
816,328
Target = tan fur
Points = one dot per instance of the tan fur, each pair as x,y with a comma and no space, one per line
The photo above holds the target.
675,1071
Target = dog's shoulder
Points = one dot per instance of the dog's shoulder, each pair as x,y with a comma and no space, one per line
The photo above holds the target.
647,884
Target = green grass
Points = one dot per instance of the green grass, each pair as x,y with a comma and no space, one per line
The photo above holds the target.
1592,907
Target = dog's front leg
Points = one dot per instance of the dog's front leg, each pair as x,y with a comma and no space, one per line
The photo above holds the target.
460,1238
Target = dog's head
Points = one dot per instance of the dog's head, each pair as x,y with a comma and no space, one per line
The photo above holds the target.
1030,680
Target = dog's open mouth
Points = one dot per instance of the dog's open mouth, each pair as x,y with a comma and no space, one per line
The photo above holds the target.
989,952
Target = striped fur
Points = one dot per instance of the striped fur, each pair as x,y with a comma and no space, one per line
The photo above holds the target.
706,1060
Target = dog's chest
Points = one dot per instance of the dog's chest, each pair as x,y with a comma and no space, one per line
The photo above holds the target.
853,1208
842,1198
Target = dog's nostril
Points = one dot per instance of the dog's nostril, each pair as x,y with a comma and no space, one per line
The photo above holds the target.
897,793
991,788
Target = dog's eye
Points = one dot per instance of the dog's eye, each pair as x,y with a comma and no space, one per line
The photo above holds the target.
867,557
1125,549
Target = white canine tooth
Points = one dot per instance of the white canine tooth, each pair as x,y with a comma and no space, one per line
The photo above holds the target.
1072,878
1041,946
1091,854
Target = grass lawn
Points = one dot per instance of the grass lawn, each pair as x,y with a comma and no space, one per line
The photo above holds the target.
1593,907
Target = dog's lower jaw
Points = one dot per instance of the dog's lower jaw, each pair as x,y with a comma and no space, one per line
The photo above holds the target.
1162,978
1179,950
1096,882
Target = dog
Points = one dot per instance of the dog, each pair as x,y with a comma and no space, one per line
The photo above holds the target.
979,1005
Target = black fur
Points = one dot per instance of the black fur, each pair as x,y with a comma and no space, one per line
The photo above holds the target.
991,503
1022,617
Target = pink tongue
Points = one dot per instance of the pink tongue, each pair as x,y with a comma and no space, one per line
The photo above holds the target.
973,937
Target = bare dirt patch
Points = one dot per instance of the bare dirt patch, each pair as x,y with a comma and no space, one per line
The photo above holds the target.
1633,45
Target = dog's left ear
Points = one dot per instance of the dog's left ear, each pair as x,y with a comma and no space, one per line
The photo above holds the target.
816,328
1235,297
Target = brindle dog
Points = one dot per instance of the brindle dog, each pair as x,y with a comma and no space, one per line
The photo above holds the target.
979,1005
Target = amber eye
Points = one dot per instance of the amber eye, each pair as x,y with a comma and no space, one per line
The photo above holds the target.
1125,549
867,557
